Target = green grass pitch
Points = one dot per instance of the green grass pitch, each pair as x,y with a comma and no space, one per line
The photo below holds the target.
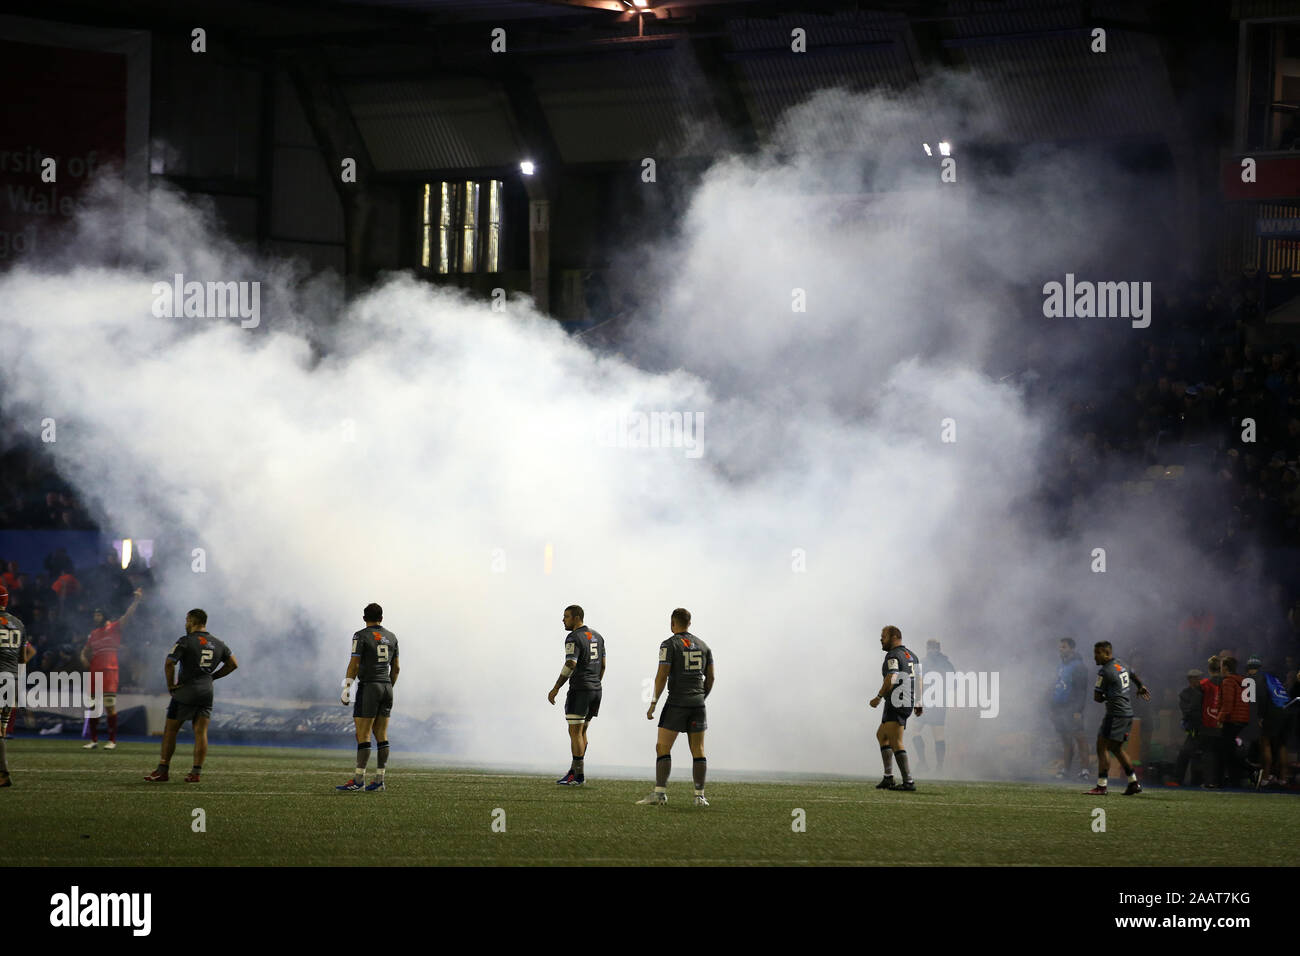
278,806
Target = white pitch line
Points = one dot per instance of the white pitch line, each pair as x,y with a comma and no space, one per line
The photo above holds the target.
280,773
307,793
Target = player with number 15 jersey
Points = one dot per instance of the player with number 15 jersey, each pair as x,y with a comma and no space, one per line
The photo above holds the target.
686,667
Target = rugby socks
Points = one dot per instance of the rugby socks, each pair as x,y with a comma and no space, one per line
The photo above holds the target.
663,767
94,730
196,769
1132,776
575,768
4,766
363,758
112,727
940,747
382,756
904,765
1101,783
698,769
887,758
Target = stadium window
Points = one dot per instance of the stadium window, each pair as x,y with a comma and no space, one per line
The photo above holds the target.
424,228
461,225
492,251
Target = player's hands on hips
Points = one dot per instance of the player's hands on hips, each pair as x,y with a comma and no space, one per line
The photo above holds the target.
875,702
551,696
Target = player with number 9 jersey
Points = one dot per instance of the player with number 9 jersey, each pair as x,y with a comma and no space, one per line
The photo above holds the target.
375,649
372,671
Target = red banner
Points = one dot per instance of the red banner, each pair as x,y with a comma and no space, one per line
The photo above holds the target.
60,103
1276,177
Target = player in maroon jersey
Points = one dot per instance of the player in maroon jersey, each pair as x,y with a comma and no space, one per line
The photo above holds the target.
99,656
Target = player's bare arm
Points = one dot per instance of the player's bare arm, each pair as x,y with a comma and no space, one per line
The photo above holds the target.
354,665
565,673
85,656
393,668
227,666
1143,691
885,687
139,593
708,680
661,678
28,652
169,668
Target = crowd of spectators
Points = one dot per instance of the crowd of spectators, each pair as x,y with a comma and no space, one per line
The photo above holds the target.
1238,728
57,605
1178,401
33,497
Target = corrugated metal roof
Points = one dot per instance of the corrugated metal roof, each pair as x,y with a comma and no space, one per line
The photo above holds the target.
1054,88
822,31
854,51
1040,78
648,103
433,124
1250,9
1007,19
476,9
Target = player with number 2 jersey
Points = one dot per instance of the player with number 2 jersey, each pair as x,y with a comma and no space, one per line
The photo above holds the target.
201,659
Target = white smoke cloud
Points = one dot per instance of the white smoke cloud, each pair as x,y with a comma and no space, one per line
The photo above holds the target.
475,440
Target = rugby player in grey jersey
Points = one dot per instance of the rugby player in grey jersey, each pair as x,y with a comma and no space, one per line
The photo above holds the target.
374,667
14,651
686,666
1113,681
584,669
901,673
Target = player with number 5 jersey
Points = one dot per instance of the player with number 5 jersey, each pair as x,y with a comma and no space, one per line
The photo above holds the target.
201,659
584,668
374,667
